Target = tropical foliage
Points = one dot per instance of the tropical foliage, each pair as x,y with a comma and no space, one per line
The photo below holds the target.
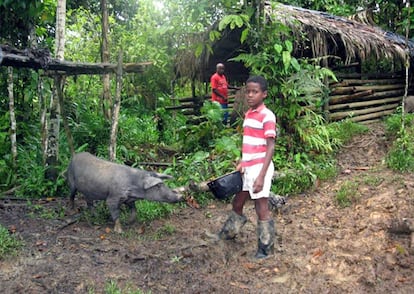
159,31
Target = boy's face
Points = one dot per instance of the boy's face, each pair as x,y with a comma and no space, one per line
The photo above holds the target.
254,95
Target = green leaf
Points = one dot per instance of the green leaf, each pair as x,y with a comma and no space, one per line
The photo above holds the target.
239,21
286,57
289,46
278,48
199,49
295,64
244,35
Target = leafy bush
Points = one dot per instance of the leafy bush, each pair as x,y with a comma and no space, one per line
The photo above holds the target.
400,156
9,244
31,179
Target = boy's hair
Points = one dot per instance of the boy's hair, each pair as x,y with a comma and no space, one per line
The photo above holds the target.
259,80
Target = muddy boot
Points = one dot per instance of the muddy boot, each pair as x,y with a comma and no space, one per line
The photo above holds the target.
232,226
265,238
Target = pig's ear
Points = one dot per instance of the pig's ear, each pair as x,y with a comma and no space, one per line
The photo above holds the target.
151,182
162,176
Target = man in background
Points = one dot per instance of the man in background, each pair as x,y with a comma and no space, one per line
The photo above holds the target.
219,87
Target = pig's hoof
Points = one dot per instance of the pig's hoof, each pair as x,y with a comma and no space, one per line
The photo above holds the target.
118,228
210,236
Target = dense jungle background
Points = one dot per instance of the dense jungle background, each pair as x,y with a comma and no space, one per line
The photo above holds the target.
346,184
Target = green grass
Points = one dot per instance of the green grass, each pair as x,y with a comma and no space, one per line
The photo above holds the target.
401,154
147,211
42,211
9,244
112,287
347,194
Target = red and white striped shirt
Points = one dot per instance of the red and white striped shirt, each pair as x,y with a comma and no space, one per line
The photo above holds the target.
259,124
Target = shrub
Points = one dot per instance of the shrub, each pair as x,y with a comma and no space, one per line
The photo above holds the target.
9,244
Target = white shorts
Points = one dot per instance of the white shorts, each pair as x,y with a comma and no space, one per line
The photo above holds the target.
249,176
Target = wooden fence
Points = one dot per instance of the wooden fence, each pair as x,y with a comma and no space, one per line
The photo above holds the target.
192,105
361,98
364,98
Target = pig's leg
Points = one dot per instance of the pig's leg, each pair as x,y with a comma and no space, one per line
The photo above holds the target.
72,197
132,211
114,208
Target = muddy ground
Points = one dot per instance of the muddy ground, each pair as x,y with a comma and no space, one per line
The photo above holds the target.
322,248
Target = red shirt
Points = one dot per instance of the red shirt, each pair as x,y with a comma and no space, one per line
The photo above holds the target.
219,82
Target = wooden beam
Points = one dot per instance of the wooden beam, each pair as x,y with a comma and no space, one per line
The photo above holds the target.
55,66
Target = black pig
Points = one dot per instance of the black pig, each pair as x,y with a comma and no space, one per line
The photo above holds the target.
98,179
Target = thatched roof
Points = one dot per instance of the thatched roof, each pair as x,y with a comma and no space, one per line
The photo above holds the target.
326,35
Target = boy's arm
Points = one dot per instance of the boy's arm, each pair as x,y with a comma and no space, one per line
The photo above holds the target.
270,149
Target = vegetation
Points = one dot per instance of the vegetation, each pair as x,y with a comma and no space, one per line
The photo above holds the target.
347,194
9,244
198,149
400,130
112,287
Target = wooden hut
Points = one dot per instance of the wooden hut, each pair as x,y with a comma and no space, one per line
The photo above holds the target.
362,95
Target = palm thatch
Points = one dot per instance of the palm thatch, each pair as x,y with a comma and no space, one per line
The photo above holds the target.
328,33
325,35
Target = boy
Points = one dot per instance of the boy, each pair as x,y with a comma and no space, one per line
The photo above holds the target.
256,166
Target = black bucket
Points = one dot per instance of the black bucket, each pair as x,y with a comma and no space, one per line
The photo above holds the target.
227,185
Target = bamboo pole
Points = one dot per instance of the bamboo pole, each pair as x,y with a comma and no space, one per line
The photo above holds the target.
364,103
344,114
371,115
343,90
343,98
354,89
349,82
379,87
368,95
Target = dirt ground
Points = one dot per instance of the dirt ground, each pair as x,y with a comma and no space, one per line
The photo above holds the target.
322,248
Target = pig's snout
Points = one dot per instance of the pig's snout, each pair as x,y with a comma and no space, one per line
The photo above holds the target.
179,192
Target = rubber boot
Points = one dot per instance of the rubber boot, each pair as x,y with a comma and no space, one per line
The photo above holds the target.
232,226
265,238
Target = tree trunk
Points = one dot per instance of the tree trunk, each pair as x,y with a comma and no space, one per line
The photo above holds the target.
44,123
13,125
53,130
115,111
60,29
52,153
60,94
106,94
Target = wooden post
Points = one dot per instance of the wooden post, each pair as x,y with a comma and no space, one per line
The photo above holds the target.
115,110
12,116
106,100
63,115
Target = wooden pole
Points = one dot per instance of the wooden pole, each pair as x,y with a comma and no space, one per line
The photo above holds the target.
115,110
371,116
363,103
13,124
344,114
342,98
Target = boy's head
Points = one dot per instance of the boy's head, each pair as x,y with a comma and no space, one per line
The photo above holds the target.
256,91
259,80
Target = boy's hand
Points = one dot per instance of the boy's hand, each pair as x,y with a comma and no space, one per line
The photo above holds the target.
258,185
240,168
